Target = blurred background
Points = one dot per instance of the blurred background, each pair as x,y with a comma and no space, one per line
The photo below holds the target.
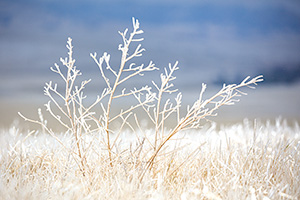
214,41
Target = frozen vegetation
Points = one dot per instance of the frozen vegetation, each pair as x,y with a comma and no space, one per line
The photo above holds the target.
154,148
243,161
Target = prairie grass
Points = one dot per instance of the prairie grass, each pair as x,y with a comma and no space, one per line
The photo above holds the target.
104,153
243,161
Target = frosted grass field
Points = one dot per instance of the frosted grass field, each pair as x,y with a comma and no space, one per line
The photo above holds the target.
249,160
157,147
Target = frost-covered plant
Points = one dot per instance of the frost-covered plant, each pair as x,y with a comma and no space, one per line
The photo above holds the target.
80,120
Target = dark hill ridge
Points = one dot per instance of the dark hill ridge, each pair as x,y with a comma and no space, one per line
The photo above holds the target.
274,75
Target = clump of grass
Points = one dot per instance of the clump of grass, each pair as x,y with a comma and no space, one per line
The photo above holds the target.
93,159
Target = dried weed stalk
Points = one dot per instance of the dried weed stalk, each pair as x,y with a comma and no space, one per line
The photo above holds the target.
80,120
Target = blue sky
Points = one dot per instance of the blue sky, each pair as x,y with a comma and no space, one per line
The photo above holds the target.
213,41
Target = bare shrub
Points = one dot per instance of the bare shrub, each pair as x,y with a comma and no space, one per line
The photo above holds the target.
80,120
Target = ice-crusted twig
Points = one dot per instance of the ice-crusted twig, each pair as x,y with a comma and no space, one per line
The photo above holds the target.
199,111
119,79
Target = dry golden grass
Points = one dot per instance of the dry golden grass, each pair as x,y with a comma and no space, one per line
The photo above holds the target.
243,161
